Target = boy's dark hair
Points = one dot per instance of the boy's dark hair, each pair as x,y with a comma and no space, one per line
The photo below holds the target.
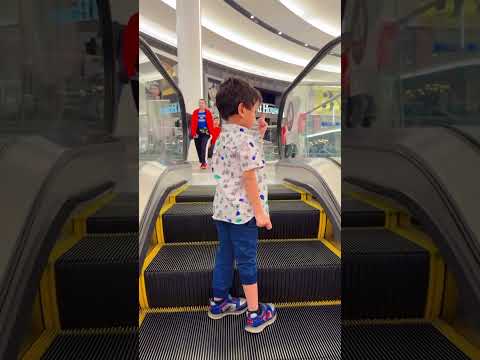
231,93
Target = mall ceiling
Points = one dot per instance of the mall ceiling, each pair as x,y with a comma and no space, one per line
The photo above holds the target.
244,34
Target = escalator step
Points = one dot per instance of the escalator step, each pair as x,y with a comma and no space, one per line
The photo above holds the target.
397,342
181,275
119,216
97,282
205,193
290,220
358,214
384,275
91,346
298,333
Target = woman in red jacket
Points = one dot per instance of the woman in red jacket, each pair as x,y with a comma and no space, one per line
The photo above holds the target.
201,127
215,135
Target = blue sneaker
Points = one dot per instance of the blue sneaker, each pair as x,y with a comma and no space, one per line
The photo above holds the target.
229,306
257,323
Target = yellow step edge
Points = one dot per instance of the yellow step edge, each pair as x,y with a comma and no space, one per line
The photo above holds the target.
457,339
41,345
391,213
48,292
142,287
399,223
302,192
204,308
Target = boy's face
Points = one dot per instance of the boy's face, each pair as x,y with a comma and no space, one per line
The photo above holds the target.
202,105
248,115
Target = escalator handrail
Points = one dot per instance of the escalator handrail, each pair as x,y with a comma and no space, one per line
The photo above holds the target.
150,54
109,64
324,51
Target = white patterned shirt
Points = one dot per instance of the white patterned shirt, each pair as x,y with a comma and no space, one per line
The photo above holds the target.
237,150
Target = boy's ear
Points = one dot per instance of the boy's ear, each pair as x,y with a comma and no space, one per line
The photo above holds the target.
240,109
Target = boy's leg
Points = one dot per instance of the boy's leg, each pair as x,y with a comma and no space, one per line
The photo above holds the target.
244,239
223,270
222,303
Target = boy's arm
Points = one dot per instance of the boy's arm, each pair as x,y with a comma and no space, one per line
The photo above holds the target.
253,195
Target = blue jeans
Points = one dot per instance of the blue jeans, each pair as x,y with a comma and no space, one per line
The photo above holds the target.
237,243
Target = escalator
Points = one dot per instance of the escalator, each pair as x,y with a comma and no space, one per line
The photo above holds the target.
89,290
397,286
299,269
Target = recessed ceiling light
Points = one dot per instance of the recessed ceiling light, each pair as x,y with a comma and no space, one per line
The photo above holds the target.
252,17
279,33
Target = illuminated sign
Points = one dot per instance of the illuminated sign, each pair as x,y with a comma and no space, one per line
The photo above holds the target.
172,108
268,109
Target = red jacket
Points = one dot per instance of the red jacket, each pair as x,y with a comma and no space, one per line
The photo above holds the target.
215,134
194,122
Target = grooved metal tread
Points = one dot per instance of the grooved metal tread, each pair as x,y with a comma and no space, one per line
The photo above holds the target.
83,345
201,193
359,214
384,275
299,333
206,208
354,205
270,255
103,248
290,220
397,342
374,240
97,282
122,205
181,275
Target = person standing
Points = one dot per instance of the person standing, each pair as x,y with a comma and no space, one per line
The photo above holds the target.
215,135
201,127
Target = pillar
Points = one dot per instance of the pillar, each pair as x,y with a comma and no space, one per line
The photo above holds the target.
189,51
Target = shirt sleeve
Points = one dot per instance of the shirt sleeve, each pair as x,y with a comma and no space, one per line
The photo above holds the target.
251,155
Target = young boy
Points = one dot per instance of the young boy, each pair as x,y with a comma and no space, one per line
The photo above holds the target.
240,205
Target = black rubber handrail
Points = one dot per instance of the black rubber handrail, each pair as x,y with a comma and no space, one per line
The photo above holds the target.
147,50
311,65
109,64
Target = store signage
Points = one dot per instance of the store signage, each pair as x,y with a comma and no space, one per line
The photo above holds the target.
172,108
265,108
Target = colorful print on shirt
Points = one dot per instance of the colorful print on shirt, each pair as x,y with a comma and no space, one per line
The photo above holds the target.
237,150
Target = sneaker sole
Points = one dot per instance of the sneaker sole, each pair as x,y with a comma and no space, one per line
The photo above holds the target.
259,329
220,316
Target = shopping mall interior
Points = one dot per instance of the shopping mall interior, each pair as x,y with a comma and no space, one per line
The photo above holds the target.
370,142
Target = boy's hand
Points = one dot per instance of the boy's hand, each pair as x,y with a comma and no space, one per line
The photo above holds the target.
263,220
262,126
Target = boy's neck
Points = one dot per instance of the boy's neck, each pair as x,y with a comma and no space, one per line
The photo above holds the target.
237,120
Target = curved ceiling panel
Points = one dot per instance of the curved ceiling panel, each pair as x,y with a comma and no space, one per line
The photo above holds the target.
158,20
325,15
219,17
286,21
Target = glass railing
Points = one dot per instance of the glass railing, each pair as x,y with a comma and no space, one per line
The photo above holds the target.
162,117
309,122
